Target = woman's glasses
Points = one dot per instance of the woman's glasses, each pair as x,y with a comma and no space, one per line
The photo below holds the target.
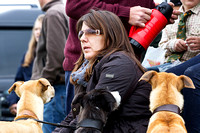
87,32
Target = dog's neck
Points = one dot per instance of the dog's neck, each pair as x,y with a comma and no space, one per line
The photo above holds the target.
158,98
26,114
27,108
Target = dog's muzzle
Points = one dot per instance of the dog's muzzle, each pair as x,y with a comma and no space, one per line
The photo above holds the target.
91,123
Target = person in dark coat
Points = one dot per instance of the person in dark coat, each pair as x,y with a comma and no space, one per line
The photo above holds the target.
108,61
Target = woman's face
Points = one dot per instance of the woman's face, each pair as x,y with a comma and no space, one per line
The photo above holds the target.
92,41
37,28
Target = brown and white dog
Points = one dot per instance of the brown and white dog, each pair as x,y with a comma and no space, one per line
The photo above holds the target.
33,94
166,101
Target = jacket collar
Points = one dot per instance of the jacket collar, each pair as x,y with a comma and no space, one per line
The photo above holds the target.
195,9
50,4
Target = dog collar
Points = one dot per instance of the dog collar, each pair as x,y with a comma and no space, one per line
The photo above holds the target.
91,123
25,117
22,119
26,114
168,107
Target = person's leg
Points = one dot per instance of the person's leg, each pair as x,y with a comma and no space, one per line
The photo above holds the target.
180,69
69,91
191,111
54,111
156,68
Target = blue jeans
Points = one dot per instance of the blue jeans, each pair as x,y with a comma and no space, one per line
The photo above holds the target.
54,111
164,67
156,68
69,91
191,110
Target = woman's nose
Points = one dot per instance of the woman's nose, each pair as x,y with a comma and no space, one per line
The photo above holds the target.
83,38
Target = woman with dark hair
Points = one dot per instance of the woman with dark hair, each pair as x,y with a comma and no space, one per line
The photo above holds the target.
108,61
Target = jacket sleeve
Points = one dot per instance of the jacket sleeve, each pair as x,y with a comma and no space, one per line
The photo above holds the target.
118,74
166,41
67,121
76,8
12,98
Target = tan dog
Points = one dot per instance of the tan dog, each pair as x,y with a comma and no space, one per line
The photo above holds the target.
33,94
166,98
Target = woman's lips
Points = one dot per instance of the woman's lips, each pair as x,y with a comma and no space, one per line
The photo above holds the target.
85,48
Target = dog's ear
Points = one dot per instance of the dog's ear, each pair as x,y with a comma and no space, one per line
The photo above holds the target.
45,83
76,103
148,75
106,100
187,82
15,87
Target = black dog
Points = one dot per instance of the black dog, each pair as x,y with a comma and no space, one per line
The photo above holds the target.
93,108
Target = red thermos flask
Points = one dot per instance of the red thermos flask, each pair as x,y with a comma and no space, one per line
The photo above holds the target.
141,37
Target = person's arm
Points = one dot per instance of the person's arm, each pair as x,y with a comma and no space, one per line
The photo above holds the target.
13,99
69,120
169,42
166,41
76,8
118,74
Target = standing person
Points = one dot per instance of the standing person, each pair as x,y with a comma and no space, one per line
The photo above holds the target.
132,12
108,61
24,71
49,58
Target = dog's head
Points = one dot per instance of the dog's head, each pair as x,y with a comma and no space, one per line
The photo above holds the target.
41,88
94,105
166,88
167,79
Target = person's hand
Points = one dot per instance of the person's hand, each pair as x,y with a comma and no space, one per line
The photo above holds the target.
139,16
180,45
13,109
193,42
174,15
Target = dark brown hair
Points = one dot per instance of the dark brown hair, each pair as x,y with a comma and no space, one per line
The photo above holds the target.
115,35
